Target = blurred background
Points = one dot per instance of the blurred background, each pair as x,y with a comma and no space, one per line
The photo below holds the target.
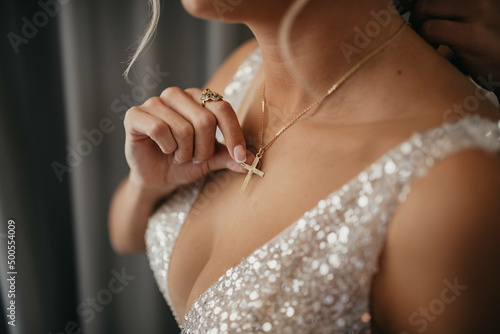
62,102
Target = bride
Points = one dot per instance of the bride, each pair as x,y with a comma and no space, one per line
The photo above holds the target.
354,189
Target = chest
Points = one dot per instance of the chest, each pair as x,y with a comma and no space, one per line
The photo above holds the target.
292,273
225,225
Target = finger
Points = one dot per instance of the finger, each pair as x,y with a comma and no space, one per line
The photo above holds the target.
228,124
404,6
222,160
141,125
416,18
445,9
203,121
181,129
457,35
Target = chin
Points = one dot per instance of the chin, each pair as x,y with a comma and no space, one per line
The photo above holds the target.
220,10
203,9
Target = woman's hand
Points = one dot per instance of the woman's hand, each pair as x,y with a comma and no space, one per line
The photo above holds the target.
170,140
471,28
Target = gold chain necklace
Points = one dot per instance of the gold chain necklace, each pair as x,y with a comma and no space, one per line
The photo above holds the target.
252,169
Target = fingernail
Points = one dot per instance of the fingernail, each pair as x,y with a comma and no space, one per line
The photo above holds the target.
240,154
197,162
176,162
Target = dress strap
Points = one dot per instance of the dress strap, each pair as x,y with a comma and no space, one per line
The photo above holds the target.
414,158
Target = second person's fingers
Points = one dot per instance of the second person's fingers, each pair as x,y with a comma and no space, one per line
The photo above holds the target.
445,9
457,35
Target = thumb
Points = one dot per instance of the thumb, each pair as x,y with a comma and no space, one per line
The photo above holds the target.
223,160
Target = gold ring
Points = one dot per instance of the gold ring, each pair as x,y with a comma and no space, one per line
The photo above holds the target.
208,96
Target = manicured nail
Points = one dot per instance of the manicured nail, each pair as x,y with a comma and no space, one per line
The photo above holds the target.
240,154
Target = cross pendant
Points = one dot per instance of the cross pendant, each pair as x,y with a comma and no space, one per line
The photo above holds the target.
252,169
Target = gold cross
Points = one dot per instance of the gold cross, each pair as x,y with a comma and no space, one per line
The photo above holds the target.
251,170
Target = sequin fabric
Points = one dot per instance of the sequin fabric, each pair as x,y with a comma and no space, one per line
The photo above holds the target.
162,231
164,226
315,276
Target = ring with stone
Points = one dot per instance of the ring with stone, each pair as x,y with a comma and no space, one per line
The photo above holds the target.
208,96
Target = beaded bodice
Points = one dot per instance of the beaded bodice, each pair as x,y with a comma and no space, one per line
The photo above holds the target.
315,276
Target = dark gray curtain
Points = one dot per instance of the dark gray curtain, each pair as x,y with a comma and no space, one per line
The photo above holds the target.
62,101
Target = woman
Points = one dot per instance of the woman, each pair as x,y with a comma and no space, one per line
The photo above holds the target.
326,237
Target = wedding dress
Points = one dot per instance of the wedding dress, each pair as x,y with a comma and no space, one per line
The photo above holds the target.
316,275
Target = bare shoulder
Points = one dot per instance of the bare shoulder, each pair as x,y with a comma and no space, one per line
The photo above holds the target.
226,71
440,267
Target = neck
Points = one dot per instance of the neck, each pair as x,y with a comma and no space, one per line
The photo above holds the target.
326,40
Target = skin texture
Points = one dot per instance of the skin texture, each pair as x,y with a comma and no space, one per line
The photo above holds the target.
446,228
442,243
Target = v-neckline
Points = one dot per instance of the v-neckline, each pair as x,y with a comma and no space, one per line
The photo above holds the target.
340,192
287,229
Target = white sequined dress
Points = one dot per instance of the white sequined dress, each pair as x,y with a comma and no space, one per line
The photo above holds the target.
315,276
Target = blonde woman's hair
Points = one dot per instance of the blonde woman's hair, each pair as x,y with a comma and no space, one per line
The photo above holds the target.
148,36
